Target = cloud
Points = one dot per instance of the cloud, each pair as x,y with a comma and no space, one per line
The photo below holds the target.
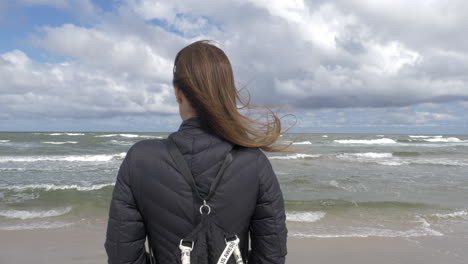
318,54
109,51
409,117
431,23
419,118
71,89
308,54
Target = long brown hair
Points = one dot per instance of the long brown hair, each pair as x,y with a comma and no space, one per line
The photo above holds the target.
204,74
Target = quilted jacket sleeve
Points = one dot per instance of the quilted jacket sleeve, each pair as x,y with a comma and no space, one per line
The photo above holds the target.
268,231
125,237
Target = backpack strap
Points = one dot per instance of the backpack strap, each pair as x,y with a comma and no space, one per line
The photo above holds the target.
232,248
186,245
185,170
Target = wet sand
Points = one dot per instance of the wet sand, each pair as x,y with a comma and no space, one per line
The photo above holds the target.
85,244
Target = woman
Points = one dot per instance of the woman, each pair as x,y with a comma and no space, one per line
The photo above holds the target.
151,197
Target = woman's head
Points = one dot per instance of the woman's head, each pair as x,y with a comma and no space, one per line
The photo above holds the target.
199,70
204,75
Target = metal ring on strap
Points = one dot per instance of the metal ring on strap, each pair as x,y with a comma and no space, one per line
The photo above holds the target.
205,205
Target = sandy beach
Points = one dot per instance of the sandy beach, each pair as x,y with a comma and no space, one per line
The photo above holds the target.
84,244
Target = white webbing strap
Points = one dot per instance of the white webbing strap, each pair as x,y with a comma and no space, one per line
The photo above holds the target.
185,252
231,247
237,255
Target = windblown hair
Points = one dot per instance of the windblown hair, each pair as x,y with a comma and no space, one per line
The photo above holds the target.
204,74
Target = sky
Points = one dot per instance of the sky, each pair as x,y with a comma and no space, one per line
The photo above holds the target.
345,66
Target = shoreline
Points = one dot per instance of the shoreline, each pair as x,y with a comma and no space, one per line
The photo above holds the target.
85,244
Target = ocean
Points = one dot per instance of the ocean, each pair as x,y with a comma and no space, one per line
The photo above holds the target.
351,185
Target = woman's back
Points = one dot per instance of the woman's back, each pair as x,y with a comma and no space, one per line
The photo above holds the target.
151,197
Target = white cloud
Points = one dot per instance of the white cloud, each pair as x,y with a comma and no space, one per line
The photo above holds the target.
70,89
154,9
310,54
107,50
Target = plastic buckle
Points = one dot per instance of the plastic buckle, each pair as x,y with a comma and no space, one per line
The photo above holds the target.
230,238
182,241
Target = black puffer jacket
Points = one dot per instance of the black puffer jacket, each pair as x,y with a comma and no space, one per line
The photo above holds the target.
151,198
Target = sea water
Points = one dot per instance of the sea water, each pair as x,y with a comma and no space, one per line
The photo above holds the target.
349,185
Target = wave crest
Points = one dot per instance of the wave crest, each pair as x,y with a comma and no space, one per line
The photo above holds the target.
305,216
83,158
366,141
296,156
24,214
53,187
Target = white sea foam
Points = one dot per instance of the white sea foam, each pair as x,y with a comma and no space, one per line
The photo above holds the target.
37,225
83,158
369,155
375,233
302,143
12,169
121,135
59,142
448,140
380,135
68,134
446,162
427,227
366,141
424,229
421,136
393,162
129,135
120,142
48,187
149,136
305,216
109,135
325,136
388,159
457,214
24,214
4,140
296,156
453,141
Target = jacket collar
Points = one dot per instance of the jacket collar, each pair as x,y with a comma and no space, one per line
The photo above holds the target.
193,122
192,137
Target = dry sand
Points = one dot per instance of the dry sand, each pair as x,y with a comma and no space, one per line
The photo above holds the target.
85,244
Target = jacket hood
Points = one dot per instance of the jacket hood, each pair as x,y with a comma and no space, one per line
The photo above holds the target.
203,151
193,122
